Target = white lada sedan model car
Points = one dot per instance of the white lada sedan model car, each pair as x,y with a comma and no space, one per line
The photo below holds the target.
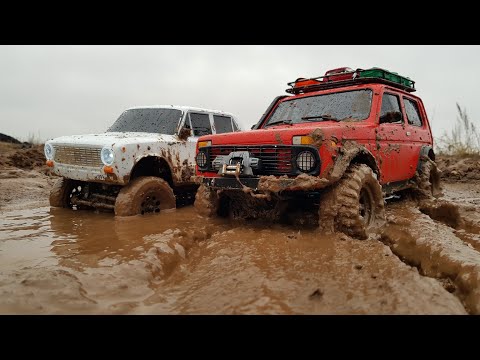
141,164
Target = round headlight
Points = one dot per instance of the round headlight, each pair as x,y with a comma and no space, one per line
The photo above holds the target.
306,161
107,156
201,159
49,152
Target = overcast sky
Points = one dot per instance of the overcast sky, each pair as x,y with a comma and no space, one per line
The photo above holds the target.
49,91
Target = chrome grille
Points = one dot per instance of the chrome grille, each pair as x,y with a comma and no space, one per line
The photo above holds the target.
76,155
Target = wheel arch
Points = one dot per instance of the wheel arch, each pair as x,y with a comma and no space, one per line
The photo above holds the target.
426,152
353,153
152,165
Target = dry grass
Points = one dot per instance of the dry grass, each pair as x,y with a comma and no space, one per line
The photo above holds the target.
34,139
464,138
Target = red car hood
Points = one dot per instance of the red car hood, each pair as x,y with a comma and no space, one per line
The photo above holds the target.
275,134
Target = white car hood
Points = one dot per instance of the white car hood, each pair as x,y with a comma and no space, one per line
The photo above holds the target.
113,138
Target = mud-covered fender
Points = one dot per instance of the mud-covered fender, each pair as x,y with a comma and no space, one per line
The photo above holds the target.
158,158
352,152
426,152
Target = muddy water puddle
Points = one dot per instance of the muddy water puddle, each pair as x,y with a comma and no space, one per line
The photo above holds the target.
64,261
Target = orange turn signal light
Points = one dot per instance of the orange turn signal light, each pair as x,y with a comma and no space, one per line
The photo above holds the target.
50,163
108,170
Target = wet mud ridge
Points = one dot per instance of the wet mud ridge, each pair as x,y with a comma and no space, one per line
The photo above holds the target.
442,240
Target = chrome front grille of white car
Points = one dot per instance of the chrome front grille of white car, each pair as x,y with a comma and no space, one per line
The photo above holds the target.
76,155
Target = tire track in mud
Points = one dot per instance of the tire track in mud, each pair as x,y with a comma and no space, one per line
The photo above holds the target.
131,282
436,237
278,270
170,248
456,216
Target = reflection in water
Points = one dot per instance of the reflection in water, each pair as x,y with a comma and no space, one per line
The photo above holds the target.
64,261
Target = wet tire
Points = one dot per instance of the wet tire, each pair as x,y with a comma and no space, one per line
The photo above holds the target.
355,204
146,194
207,201
428,181
60,193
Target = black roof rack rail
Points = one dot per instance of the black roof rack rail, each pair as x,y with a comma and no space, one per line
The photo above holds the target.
323,85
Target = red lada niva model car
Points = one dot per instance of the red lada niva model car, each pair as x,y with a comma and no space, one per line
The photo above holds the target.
339,143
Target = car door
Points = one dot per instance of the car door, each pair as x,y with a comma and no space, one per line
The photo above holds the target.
417,131
392,152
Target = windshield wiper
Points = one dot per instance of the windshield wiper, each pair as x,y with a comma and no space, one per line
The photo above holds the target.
323,117
289,122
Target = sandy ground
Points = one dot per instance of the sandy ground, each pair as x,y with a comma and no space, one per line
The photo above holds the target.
426,260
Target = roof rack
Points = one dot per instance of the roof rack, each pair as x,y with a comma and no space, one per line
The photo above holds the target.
346,77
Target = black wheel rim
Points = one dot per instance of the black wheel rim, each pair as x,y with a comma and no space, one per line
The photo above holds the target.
150,204
366,206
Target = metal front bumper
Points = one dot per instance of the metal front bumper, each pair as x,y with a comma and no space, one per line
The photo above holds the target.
270,184
230,183
87,174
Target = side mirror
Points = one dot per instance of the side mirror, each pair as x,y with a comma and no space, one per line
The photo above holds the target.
391,117
398,117
185,132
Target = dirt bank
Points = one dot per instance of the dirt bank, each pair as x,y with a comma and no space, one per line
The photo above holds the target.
24,179
459,168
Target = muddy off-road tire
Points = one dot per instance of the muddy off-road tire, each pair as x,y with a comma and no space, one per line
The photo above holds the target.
355,204
60,193
427,180
146,194
207,201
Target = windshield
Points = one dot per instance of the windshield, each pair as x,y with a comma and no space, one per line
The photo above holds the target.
161,121
343,106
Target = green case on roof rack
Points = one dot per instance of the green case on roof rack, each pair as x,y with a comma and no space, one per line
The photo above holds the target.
387,75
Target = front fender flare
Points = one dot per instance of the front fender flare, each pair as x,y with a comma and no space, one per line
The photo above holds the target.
352,152
426,152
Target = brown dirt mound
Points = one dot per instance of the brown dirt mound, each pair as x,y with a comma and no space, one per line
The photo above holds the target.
22,156
30,158
459,169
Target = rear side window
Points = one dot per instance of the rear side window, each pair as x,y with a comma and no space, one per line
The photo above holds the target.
413,115
200,124
223,124
390,109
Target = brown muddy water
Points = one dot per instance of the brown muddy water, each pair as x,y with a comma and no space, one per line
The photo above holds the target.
60,261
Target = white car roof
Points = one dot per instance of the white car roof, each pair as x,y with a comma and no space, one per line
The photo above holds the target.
183,108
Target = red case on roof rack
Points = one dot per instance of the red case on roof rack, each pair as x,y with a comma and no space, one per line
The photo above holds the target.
305,82
338,74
